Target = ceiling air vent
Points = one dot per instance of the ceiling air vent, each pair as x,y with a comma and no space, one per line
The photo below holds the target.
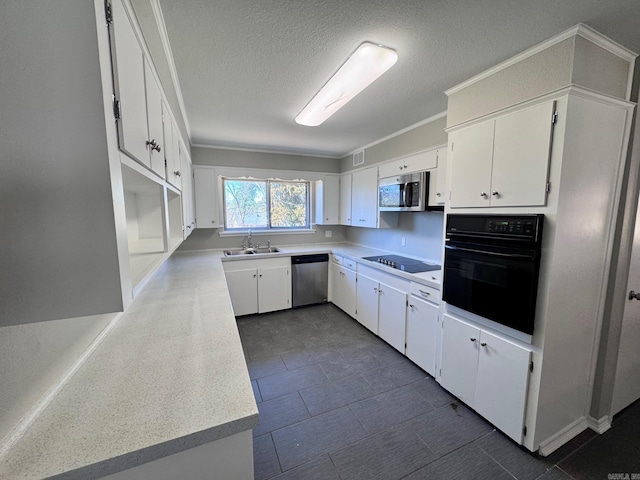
358,158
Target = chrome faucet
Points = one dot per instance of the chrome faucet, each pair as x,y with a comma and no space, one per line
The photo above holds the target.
249,237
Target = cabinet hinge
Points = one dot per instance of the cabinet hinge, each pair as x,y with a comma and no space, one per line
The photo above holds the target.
554,118
547,188
452,146
116,108
531,366
524,431
108,13
165,163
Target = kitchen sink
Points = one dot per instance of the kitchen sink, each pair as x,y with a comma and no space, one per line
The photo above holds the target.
251,251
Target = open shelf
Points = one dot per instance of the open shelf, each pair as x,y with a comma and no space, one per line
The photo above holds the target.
174,207
145,223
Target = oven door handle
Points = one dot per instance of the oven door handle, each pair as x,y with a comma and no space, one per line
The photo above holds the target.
407,194
485,252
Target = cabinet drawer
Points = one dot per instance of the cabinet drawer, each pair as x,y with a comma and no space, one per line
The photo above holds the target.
348,263
336,259
426,293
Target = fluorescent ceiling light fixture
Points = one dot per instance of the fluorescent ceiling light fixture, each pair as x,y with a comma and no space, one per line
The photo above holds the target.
363,67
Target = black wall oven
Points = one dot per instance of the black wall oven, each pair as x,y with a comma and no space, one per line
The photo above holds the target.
491,266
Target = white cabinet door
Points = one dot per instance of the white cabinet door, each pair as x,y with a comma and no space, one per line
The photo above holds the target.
441,176
154,119
459,363
243,289
274,289
367,303
422,322
205,185
327,200
521,153
392,316
128,69
345,199
501,385
187,195
174,163
343,288
364,198
470,164
416,162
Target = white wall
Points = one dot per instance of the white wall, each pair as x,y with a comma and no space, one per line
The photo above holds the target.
59,264
58,229
422,232
239,158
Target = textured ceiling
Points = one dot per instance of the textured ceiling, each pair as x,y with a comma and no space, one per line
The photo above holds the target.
246,68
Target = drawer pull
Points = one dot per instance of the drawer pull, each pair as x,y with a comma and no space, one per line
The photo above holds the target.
424,293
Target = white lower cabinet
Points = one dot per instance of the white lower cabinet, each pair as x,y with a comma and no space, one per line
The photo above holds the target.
381,303
422,330
392,316
487,372
343,289
259,286
367,303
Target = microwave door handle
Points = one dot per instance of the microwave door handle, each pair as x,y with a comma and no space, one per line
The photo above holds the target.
408,194
485,252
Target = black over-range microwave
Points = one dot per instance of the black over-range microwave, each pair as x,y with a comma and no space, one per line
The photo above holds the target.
491,266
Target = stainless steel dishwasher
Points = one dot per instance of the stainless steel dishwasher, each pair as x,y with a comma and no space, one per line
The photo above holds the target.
310,279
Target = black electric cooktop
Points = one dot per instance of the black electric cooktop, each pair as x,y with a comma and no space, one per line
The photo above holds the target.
405,264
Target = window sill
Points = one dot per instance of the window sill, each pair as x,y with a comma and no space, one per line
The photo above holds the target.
256,233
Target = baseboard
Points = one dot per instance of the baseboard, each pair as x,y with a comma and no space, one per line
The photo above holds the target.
599,426
554,442
32,415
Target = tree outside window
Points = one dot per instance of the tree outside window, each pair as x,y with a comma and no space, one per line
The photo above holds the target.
265,204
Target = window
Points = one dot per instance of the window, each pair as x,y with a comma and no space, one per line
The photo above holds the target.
265,204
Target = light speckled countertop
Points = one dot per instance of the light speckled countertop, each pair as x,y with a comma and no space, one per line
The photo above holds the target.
355,252
170,376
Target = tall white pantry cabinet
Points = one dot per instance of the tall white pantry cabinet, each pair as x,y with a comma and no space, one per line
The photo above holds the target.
556,147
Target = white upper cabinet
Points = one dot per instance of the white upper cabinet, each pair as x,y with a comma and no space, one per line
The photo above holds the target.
364,198
471,166
171,135
416,162
205,185
154,119
327,204
188,202
504,161
437,196
521,152
128,67
345,199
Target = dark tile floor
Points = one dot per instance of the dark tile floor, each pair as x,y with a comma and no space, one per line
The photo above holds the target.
336,402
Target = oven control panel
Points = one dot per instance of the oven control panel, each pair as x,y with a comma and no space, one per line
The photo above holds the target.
510,226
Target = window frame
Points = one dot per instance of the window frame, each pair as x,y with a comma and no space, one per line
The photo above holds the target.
269,228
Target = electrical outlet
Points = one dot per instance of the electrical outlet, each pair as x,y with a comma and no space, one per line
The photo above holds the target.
403,242
328,233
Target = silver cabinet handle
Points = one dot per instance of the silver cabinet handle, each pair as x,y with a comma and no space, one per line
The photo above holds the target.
483,194
424,293
483,344
473,339
412,306
495,193
153,144
177,173
438,194
633,295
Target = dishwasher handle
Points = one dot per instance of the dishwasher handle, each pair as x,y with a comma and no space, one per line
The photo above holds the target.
315,258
